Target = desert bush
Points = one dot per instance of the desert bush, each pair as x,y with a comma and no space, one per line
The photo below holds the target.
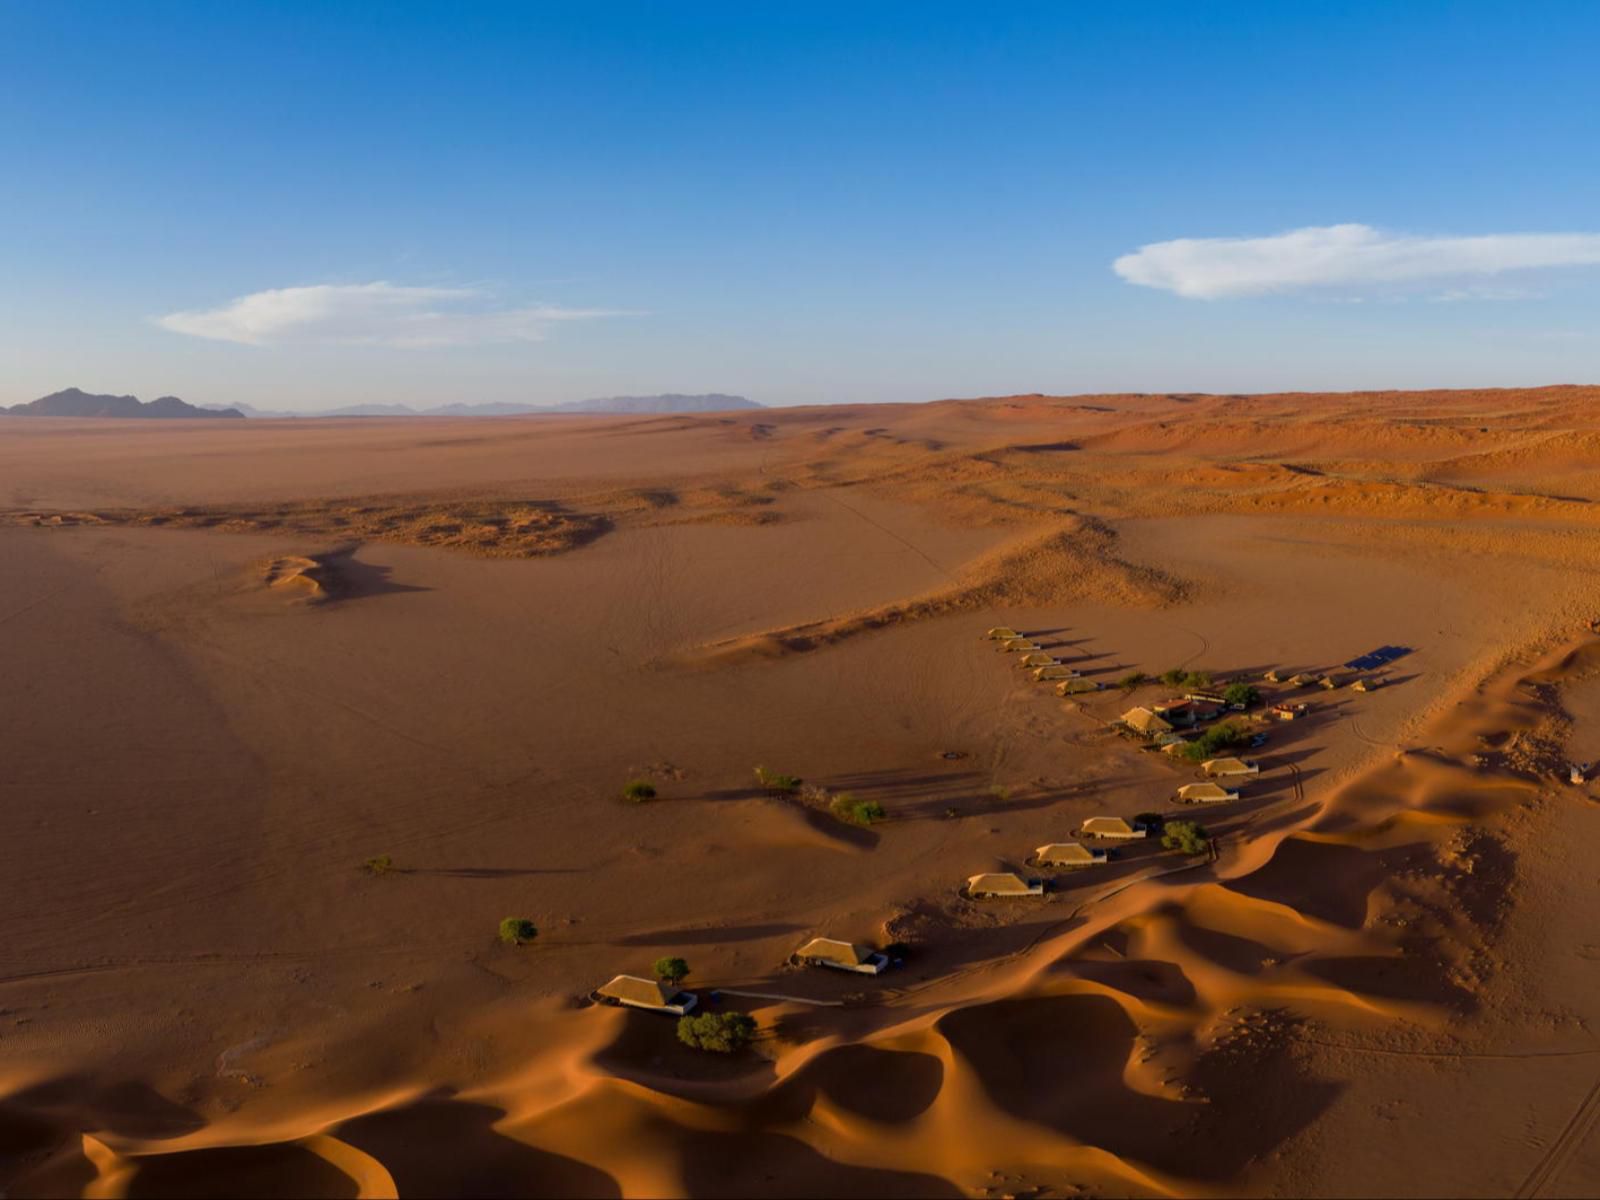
1173,677
1179,677
637,791
856,812
1132,680
721,1033
1000,792
516,930
381,865
671,970
1185,836
776,783
1218,738
1246,695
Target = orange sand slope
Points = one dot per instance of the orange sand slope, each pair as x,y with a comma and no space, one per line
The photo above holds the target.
242,661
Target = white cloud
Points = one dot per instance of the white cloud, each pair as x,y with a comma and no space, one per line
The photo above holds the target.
376,314
1351,257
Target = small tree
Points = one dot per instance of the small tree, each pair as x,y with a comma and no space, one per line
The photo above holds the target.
1173,677
381,865
1197,679
671,970
719,1032
1132,680
516,930
1245,695
776,783
856,812
1185,836
637,791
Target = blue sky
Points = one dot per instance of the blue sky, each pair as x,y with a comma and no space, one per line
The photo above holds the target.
299,205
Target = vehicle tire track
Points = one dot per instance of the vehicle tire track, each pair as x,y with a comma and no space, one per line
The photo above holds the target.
1570,1141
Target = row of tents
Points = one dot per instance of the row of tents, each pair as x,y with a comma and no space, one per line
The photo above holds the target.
653,995
1044,666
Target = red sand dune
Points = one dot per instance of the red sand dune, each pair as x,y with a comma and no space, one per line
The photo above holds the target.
1381,983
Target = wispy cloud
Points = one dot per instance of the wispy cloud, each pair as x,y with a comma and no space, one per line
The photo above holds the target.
374,314
1350,257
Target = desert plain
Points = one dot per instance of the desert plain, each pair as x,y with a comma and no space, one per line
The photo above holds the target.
240,659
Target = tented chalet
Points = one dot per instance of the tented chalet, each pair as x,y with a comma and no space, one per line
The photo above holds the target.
1068,854
1330,682
1205,793
1002,885
1223,768
1041,659
1142,720
1273,676
632,992
1020,644
1001,633
1302,680
842,956
1366,685
1056,671
1114,828
1077,686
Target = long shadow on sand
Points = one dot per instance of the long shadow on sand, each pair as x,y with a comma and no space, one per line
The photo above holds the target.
707,937
447,1148
274,1170
1060,1060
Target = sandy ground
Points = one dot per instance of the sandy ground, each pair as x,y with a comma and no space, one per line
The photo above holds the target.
239,662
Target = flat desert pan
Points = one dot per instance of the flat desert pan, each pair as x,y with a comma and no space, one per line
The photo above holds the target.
296,713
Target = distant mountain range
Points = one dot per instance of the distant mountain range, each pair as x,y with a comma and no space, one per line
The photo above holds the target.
667,402
74,402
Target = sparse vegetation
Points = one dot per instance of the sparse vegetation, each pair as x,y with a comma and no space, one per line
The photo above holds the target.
1179,677
1245,695
1131,680
514,931
380,865
1185,836
1000,792
777,784
671,970
637,791
1218,738
720,1033
856,812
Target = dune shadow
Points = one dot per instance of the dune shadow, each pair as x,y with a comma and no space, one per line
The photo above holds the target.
446,1148
131,1109
739,1165
269,1171
1060,1060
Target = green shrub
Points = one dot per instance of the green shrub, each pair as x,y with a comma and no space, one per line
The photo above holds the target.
856,812
671,970
1173,677
381,865
1246,695
1185,836
777,783
1000,792
1219,737
638,791
721,1033
516,930
1132,680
